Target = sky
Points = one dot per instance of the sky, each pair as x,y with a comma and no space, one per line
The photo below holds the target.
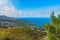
29,8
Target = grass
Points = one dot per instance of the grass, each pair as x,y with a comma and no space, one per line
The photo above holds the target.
20,34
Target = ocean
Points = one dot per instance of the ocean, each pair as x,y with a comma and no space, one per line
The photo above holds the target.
38,21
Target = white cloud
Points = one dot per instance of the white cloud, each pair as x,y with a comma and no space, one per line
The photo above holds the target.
6,8
45,12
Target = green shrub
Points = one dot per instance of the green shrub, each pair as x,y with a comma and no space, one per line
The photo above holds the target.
53,30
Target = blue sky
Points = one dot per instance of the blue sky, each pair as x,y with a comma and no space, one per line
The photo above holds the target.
35,4
29,8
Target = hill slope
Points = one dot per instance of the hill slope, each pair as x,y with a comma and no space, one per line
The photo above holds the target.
13,22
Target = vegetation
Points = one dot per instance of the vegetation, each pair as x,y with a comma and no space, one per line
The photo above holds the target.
53,30
21,34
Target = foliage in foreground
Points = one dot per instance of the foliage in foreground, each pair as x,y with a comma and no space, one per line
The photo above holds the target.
20,34
53,30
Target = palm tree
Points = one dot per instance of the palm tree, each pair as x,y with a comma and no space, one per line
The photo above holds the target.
53,29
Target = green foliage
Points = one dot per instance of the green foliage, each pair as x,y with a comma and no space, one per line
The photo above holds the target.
53,30
20,34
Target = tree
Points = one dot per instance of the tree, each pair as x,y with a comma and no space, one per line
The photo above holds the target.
53,30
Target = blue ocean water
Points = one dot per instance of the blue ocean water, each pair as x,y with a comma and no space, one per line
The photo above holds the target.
38,21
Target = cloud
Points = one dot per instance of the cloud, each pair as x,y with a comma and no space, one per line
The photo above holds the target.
8,9
45,12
